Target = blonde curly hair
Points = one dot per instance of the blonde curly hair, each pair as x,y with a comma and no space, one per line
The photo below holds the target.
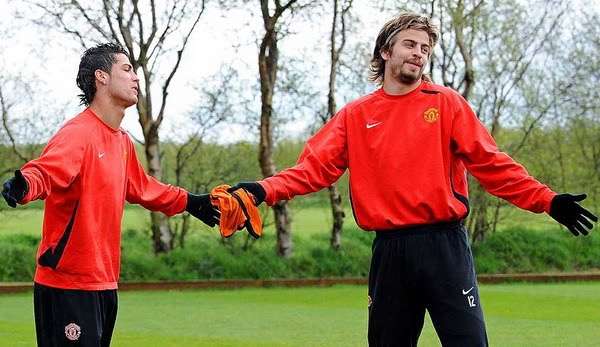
387,37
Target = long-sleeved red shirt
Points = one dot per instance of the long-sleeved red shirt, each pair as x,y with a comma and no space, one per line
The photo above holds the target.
85,174
407,157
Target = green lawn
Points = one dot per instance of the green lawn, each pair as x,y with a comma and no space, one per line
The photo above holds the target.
29,220
566,314
305,220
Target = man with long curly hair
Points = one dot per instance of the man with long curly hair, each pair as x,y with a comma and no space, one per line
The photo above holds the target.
407,147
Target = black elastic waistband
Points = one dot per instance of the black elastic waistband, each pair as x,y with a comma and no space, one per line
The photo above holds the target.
420,229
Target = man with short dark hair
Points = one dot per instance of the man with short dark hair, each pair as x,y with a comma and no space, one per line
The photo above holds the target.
87,171
407,147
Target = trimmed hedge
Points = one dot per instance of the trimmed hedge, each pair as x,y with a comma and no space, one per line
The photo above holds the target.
207,257
518,250
17,256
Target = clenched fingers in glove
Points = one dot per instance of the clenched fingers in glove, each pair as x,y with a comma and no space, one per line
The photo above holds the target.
15,189
200,207
254,188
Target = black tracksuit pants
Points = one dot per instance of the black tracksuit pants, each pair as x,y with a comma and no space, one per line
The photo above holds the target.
65,317
424,268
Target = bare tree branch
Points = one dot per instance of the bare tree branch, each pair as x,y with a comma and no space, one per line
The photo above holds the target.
91,21
5,109
59,18
107,8
160,117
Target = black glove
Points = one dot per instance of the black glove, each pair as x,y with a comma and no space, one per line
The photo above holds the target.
565,210
253,188
200,207
15,189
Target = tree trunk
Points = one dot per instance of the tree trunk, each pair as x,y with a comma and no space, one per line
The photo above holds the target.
478,223
162,236
267,67
185,228
335,198
283,222
283,225
338,214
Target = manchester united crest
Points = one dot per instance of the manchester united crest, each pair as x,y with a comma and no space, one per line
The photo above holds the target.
72,331
431,115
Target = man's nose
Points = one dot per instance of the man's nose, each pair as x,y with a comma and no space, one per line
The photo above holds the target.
418,52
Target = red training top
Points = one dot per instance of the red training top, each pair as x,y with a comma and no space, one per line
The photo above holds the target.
85,174
406,155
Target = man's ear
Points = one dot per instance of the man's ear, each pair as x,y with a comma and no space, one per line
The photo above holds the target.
385,54
101,76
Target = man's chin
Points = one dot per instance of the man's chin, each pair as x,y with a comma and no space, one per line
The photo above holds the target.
408,78
132,102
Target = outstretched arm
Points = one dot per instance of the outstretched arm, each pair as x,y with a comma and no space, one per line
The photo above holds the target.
497,172
501,176
323,160
56,168
147,191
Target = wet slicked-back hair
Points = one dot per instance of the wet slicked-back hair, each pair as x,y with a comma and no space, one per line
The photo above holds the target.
100,57
386,39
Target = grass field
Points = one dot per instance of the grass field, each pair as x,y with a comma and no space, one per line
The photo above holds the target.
305,220
565,314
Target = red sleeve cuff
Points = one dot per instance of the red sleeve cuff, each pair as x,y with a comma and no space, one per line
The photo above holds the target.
550,196
269,196
29,196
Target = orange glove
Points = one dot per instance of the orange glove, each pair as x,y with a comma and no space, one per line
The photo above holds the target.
237,211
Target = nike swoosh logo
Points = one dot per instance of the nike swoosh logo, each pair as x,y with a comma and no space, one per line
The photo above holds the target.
100,155
372,125
465,292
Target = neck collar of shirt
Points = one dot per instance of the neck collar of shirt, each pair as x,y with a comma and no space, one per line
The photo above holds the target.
382,93
96,116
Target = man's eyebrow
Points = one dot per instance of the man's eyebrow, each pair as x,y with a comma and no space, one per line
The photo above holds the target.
413,41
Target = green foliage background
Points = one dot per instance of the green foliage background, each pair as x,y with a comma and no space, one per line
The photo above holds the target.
524,242
206,256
